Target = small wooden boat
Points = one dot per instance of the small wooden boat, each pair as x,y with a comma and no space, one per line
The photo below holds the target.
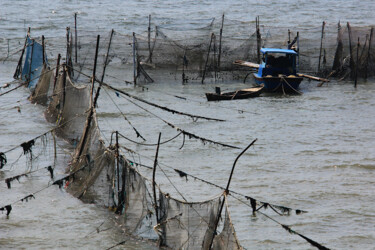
234,95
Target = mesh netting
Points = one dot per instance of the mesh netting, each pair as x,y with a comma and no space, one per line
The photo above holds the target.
68,107
185,225
40,93
227,239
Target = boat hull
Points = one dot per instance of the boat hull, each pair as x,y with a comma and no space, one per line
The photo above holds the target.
235,95
278,83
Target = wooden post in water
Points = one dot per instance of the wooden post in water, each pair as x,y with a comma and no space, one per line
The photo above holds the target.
94,70
149,38
288,38
226,191
134,61
153,181
104,67
220,39
208,54
67,44
350,51
57,71
119,195
369,51
75,37
64,83
321,45
356,65
31,60
258,39
297,66
19,65
91,111
43,51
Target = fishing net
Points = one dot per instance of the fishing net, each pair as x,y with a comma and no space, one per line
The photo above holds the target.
227,239
40,93
187,225
68,107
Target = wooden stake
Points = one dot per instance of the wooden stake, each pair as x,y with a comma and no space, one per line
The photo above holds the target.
321,45
220,39
57,71
91,111
258,39
64,84
134,60
297,66
104,67
43,49
153,180
226,191
369,51
350,51
94,70
149,38
76,38
208,54
31,60
356,65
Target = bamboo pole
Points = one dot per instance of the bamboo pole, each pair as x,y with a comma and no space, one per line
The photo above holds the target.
134,61
104,68
208,54
94,70
76,38
350,51
220,39
43,51
321,45
149,38
31,60
64,84
258,39
153,181
356,65
369,51
57,71
297,66
19,65
91,111
226,191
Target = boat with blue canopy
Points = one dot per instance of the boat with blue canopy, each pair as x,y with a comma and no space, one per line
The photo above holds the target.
278,70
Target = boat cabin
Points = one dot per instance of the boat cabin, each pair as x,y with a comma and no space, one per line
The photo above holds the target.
277,61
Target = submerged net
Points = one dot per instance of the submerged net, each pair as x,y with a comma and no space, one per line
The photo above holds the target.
227,239
186,225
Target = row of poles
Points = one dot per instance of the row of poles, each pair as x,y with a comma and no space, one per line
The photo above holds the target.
354,66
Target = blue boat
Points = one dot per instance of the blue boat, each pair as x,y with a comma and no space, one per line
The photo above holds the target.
278,72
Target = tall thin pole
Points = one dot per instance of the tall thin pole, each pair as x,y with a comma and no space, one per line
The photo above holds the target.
356,65
153,180
208,54
89,117
104,67
258,39
134,60
321,45
75,37
297,67
350,50
31,60
43,51
149,38
57,71
369,51
220,39
95,62
227,190
19,65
